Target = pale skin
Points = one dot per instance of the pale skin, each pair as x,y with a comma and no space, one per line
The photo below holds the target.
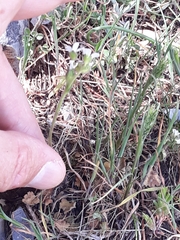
24,152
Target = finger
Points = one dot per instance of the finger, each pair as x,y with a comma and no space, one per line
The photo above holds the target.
15,112
26,161
32,8
8,10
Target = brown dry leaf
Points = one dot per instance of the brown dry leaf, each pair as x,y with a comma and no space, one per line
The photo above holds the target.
47,196
66,206
77,155
48,201
122,163
152,179
94,224
77,182
30,199
61,224
104,226
47,192
107,165
12,58
58,215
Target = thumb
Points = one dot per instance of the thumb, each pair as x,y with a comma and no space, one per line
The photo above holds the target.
26,161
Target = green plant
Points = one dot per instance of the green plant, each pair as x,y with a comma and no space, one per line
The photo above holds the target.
77,67
163,203
117,131
35,231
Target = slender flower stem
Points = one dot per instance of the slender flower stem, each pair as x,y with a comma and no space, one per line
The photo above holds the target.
55,116
75,70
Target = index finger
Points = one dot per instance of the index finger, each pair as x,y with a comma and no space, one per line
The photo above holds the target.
8,9
15,111
32,8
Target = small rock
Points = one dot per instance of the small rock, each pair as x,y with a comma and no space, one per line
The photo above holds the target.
13,36
20,216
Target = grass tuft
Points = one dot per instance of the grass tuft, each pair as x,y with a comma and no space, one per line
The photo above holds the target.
107,118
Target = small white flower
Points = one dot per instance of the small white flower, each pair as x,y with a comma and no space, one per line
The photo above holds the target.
72,64
176,135
68,48
171,113
74,48
94,55
86,51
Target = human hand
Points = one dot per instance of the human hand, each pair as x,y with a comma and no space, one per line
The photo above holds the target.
32,8
24,152
23,9
26,160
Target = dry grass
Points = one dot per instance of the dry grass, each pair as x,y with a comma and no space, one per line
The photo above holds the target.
122,177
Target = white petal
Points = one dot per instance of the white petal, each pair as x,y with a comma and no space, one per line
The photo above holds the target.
172,111
72,64
95,55
86,51
68,48
75,46
175,132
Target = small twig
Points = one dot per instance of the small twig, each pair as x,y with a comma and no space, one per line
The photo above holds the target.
77,174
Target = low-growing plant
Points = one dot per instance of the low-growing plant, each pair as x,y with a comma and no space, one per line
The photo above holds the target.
106,115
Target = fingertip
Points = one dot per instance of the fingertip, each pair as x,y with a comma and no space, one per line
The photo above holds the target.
26,161
50,175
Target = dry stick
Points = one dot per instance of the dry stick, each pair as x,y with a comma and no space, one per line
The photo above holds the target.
159,141
77,174
130,215
44,222
35,219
